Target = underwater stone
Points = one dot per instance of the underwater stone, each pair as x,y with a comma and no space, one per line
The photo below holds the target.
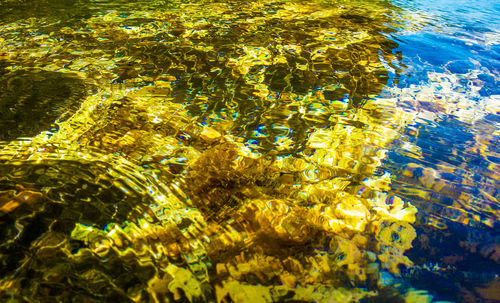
32,101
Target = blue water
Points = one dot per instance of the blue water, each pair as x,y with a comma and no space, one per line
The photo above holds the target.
459,39
457,36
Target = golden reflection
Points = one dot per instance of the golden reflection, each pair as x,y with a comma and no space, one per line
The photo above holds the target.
225,151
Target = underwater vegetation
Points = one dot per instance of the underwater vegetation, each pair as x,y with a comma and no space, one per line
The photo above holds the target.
217,151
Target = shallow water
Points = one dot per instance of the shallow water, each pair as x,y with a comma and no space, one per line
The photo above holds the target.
310,151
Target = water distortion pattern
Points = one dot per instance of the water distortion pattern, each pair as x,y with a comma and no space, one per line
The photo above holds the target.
205,151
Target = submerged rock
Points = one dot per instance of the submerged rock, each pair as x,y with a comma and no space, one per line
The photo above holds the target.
32,101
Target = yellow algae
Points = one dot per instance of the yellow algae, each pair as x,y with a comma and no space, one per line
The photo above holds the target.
209,134
395,208
415,296
394,239
233,291
183,279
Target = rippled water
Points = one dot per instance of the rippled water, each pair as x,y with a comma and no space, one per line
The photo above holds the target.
271,151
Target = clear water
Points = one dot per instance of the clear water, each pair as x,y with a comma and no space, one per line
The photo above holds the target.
272,151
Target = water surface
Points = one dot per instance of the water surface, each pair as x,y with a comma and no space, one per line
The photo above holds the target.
271,151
